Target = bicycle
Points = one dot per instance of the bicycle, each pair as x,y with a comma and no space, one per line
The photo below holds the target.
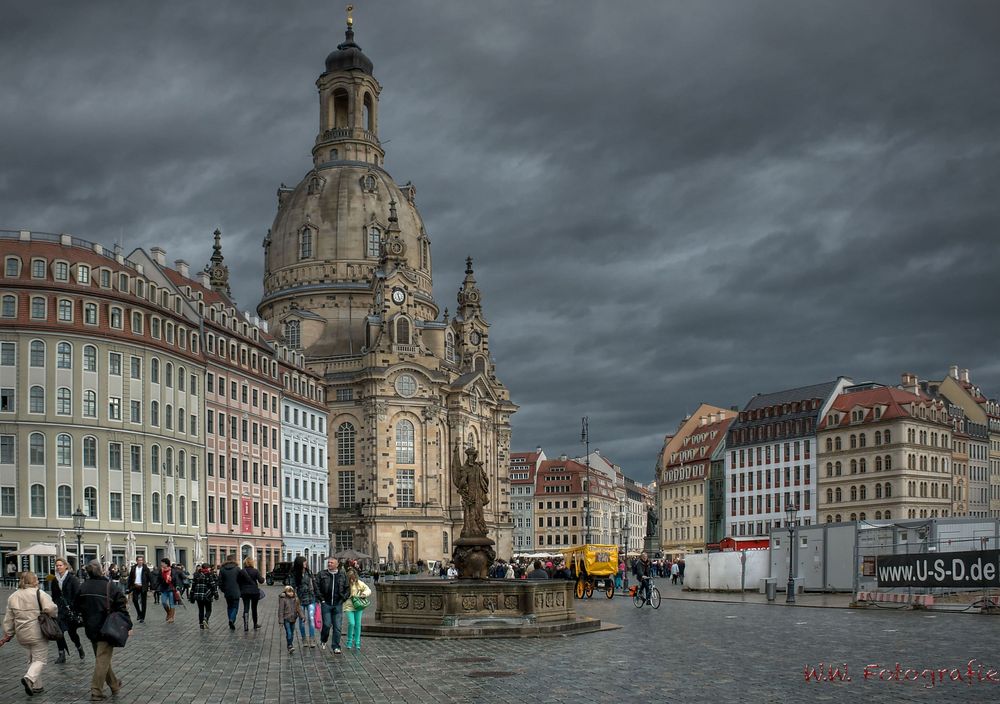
654,595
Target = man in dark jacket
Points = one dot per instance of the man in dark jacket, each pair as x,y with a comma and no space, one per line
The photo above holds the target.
96,599
138,585
333,593
644,571
229,585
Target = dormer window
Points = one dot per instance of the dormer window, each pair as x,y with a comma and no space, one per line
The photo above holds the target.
105,278
38,268
60,271
12,267
368,183
305,243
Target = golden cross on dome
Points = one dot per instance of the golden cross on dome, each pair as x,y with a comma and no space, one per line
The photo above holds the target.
350,18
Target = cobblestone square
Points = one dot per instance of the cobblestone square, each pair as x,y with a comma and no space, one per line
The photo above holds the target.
687,651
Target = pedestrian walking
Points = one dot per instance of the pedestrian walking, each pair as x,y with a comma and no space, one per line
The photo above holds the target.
229,584
139,581
24,607
64,590
305,589
333,591
97,598
249,580
359,592
167,581
204,590
675,571
289,611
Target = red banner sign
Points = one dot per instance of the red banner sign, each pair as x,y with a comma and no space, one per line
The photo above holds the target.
246,516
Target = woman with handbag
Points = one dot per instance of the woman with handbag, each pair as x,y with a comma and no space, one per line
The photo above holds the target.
168,579
354,606
25,609
64,589
249,580
306,590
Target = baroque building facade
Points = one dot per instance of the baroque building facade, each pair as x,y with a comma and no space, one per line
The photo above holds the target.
348,282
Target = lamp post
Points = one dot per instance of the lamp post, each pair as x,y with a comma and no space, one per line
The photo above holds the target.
625,530
585,438
78,518
791,512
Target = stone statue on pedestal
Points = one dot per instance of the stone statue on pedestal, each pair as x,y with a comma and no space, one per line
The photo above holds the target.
473,553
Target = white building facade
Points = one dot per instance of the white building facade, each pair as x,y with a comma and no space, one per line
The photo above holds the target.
305,476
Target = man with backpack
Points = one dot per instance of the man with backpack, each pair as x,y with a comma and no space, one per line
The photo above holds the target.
95,601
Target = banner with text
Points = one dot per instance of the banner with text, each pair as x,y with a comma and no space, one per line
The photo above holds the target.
246,516
975,568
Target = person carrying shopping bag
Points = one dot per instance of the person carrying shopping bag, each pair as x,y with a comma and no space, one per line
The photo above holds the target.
289,611
355,605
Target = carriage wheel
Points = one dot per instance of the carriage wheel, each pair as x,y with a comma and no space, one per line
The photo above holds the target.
609,589
590,588
580,587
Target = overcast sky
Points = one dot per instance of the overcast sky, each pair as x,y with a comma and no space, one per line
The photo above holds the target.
667,203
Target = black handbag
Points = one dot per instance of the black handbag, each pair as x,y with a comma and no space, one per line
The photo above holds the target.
116,625
49,626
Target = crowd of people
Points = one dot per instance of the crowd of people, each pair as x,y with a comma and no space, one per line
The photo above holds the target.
556,568
36,615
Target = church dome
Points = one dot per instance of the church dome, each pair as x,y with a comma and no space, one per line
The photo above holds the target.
348,57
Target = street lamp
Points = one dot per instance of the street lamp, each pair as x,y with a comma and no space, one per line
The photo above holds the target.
625,531
791,513
585,438
78,518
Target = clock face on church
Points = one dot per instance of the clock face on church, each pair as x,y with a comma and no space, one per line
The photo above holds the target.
398,296
475,338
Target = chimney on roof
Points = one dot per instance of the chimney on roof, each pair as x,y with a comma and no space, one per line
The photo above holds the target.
965,376
703,420
204,279
182,268
563,458
953,372
538,449
910,383
159,256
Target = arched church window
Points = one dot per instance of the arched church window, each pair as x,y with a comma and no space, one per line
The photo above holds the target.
402,331
346,435
333,155
340,103
368,183
404,442
305,243
449,347
374,242
425,255
293,334
315,185
368,113
480,364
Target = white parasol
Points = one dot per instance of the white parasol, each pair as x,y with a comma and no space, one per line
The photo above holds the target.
171,553
61,548
199,552
130,551
107,550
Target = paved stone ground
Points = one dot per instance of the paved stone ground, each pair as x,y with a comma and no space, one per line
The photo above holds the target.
687,651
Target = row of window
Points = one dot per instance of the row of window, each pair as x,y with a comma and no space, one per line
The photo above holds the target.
68,309
860,493
764,453
294,451
257,472
310,490
309,421
269,514
802,501
186,463
241,429
856,441
304,524
835,469
794,476
242,393
38,507
61,272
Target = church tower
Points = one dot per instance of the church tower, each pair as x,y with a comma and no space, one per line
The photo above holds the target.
348,282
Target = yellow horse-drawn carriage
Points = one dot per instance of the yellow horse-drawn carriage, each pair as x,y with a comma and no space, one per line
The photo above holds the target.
593,567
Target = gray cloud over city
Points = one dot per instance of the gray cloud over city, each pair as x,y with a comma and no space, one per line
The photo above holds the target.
667,202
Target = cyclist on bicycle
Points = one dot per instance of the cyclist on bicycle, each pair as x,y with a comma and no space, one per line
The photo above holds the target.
644,571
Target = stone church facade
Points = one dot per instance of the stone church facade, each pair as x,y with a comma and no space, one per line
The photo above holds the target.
348,280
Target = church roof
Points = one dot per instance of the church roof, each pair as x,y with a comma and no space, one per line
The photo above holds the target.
348,56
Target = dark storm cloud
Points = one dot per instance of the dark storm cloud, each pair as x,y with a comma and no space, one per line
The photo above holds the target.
668,203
